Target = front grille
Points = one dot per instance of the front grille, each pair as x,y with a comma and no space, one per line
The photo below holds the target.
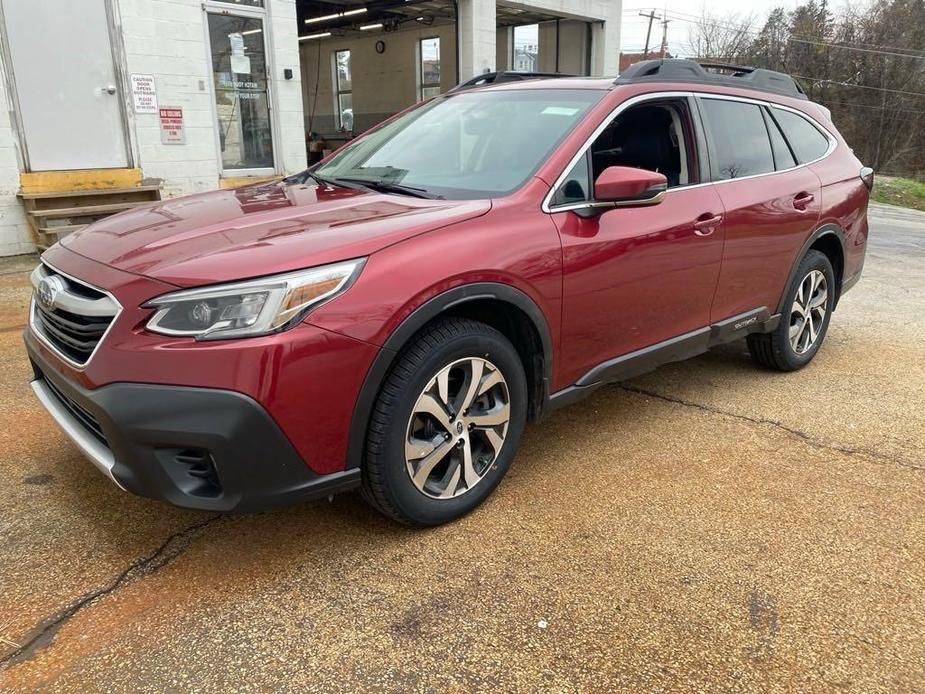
81,414
71,316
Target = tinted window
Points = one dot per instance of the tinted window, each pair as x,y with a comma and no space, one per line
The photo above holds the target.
807,142
740,139
576,187
783,157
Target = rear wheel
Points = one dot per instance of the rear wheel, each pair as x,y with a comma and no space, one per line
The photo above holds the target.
810,301
446,424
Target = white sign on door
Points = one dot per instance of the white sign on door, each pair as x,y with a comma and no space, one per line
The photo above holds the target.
144,94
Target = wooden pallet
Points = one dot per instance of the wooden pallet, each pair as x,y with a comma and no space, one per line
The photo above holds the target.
55,214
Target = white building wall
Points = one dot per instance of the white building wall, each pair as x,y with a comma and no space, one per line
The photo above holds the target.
604,16
168,39
14,230
284,48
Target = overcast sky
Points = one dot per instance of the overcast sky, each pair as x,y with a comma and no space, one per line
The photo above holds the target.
681,13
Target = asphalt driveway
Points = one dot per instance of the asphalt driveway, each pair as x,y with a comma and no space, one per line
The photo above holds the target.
709,526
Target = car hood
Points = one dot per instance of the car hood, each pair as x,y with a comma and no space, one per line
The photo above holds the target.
258,230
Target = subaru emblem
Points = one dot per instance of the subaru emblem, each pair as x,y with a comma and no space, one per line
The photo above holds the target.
47,291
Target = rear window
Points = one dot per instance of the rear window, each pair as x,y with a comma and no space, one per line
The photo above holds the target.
739,138
804,137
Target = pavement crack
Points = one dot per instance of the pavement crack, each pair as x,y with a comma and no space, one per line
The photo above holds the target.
44,632
805,436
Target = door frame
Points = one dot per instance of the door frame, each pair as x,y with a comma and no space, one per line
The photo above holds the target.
262,13
117,51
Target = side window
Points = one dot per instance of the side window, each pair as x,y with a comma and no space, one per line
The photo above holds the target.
807,142
783,157
655,136
576,187
741,146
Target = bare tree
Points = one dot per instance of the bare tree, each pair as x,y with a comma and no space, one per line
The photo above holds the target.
723,38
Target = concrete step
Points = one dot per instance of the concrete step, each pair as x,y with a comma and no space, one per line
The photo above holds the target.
87,210
88,193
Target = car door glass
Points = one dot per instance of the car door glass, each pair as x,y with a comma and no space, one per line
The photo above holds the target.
783,157
652,136
576,187
741,146
808,143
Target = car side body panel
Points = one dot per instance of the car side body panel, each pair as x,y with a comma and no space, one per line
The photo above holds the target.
635,276
763,232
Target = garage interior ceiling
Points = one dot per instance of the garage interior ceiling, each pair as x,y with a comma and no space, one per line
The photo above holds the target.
395,14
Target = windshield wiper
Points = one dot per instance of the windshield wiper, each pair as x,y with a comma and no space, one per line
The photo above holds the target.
390,187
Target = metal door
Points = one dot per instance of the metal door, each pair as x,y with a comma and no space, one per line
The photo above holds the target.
68,96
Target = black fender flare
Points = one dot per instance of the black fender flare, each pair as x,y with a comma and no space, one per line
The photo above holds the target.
423,314
829,229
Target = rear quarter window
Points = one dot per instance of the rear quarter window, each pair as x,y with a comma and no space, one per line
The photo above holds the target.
805,139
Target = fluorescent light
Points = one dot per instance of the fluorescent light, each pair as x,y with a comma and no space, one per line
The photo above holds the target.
322,35
370,27
252,31
337,15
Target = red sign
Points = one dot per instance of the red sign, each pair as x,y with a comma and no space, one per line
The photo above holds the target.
171,125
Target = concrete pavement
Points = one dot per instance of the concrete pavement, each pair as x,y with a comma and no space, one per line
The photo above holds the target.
709,526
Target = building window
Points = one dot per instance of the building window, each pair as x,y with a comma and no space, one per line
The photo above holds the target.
525,48
429,68
239,73
344,93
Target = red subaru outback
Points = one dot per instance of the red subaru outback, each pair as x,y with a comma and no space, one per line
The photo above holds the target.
390,319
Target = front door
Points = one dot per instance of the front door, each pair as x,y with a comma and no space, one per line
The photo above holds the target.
68,96
634,277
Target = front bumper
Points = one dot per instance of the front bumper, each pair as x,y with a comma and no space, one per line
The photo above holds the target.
201,448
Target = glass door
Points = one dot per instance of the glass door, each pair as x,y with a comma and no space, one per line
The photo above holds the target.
242,105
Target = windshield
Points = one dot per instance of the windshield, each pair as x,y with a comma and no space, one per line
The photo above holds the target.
462,146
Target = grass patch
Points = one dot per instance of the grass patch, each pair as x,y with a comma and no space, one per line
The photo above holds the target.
905,192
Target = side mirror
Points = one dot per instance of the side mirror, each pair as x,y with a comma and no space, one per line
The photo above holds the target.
627,186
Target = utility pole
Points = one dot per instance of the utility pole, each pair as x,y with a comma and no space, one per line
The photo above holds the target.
652,16
664,36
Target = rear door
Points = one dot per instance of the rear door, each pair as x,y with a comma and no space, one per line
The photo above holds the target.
771,203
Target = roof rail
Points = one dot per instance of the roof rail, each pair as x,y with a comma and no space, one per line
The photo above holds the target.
506,76
686,70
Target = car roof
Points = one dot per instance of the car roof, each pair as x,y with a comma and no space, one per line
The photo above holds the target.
662,72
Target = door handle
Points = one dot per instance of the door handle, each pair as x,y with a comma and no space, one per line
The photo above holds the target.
110,89
706,224
802,200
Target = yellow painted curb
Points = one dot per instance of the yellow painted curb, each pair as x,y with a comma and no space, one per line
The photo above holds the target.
79,179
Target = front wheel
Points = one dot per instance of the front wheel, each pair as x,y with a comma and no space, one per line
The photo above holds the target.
446,424
804,322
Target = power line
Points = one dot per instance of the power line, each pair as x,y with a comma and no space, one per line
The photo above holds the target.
877,108
693,19
858,86
701,20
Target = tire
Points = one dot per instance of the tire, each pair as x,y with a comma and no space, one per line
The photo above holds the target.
794,343
472,446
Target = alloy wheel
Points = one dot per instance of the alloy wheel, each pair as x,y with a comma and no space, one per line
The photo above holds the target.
457,428
807,315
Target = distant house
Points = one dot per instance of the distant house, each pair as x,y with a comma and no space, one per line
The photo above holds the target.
525,58
627,59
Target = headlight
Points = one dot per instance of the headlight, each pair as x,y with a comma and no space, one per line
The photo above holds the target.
254,307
